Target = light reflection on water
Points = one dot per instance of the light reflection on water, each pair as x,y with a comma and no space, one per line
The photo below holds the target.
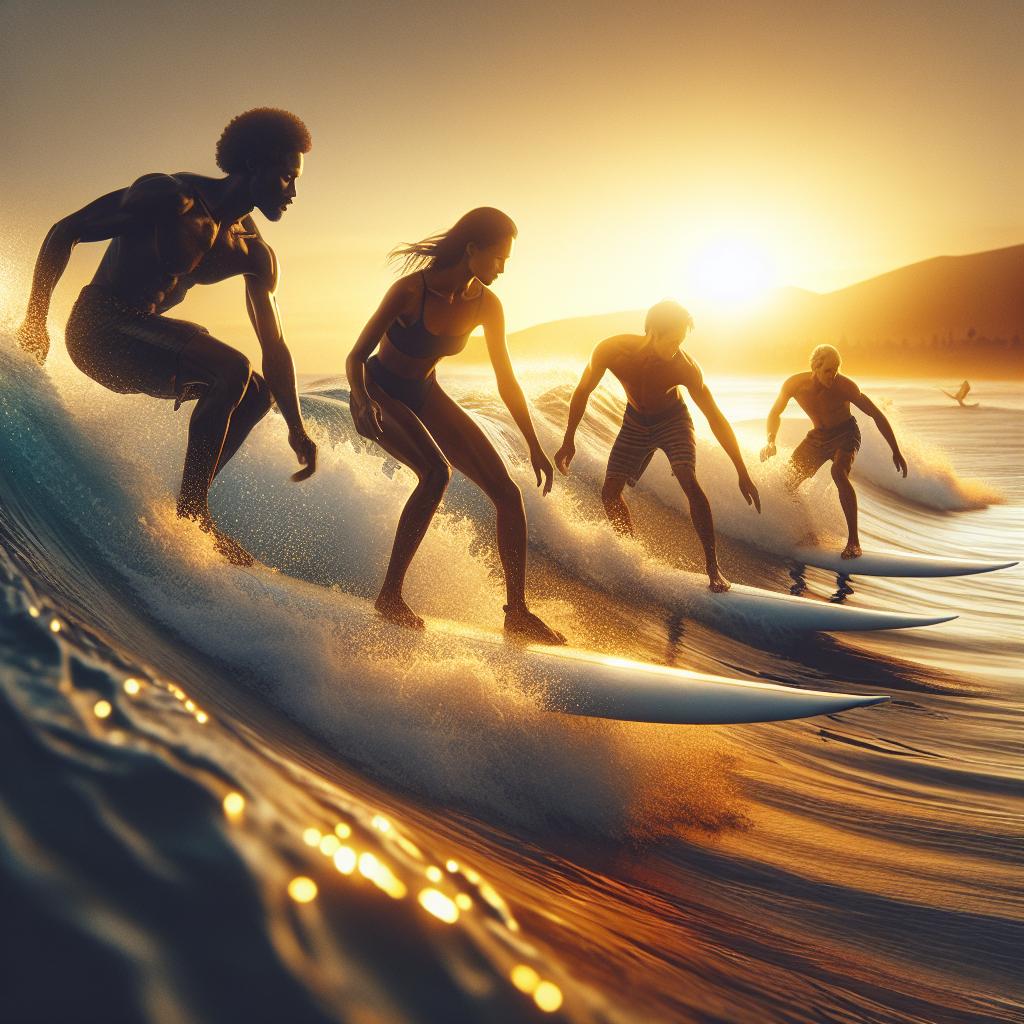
820,869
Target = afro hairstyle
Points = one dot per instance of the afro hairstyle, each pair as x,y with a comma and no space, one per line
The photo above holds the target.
261,135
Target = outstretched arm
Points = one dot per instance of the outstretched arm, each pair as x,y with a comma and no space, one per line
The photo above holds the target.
884,428
723,432
775,420
510,391
278,367
365,411
592,375
110,215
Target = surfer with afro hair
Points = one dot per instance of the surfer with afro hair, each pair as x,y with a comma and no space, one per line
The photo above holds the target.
260,137
165,234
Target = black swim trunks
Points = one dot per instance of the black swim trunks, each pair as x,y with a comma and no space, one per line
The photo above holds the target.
125,349
821,444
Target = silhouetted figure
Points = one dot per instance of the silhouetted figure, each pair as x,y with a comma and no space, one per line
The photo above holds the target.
651,368
961,394
825,395
396,400
167,233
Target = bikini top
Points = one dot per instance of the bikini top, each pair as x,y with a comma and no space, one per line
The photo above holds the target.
416,341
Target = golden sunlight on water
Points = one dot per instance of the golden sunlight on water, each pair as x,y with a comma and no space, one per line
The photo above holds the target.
329,844
234,805
302,889
435,902
345,860
546,994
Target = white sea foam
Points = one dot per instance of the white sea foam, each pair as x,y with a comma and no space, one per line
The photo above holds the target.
429,714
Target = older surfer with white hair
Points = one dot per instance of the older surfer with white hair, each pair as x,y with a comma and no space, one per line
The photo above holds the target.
826,396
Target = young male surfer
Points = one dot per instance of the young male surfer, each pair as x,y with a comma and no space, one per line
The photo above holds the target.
167,233
651,368
826,395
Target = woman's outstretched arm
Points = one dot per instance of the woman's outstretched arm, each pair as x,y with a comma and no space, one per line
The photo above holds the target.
365,411
510,391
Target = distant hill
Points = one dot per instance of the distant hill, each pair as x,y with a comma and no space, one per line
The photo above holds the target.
951,314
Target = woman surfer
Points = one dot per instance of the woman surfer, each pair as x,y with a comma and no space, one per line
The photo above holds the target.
396,401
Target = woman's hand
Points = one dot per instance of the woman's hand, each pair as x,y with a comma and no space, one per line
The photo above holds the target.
366,415
542,468
749,491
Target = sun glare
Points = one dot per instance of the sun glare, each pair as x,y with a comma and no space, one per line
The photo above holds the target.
731,272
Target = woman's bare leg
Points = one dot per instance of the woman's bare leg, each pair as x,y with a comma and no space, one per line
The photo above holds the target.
406,439
467,448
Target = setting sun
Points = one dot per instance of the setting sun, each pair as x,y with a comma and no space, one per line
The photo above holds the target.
731,271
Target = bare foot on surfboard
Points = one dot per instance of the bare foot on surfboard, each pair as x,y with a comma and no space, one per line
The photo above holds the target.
717,583
393,608
852,550
522,624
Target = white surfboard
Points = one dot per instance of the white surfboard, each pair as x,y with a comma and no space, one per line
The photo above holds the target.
766,612
885,563
577,682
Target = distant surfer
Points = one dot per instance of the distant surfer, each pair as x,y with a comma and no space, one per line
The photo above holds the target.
396,400
961,394
826,395
651,368
167,233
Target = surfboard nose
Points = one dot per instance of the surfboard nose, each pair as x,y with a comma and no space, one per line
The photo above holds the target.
937,621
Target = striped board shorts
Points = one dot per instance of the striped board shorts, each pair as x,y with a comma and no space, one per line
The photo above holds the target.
821,444
642,435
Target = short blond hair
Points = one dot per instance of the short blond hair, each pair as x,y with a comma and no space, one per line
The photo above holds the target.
825,355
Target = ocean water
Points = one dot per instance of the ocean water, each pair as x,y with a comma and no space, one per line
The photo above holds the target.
491,861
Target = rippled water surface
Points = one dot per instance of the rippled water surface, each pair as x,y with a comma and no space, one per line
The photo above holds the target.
190,750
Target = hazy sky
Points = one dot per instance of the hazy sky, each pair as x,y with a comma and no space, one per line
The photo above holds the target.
827,142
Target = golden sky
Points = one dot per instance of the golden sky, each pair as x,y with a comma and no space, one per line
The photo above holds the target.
636,146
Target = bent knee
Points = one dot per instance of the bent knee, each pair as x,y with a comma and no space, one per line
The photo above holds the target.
436,478
505,493
233,375
258,392
612,489
841,466
687,479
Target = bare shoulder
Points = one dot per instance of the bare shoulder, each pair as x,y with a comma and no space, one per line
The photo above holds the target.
490,304
791,385
691,376
619,345
847,388
159,193
261,261
607,351
403,298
